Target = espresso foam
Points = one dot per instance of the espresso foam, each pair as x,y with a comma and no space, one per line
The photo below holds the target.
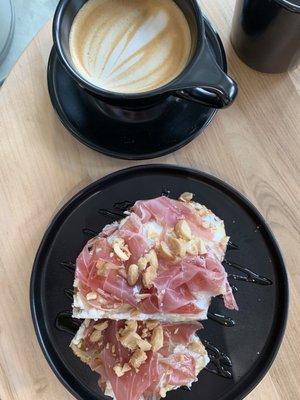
130,46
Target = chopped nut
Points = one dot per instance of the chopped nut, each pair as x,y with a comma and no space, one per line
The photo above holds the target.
138,358
157,338
165,251
101,326
177,246
113,349
149,276
121,250
91,296
103,268
95,336
197,347
186,197
151,324
163,391
121,370
128,336
183,230
224,241
151,257
201,247
192,248
181,357
145,333
142,263
101,300
133,274
130,339
142,296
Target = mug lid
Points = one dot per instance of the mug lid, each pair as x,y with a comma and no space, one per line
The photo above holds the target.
291,5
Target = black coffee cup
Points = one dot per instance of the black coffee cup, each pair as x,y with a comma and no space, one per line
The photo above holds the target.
266,34
201,81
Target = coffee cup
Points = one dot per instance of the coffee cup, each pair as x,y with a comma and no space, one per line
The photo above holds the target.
200,79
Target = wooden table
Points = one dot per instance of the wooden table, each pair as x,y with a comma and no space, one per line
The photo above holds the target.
254,146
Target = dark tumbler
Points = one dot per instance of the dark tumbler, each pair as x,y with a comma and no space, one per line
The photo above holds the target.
266,34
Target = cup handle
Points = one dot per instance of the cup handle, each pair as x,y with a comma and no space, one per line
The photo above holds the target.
218,90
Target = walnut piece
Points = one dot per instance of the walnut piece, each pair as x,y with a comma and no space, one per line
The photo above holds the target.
95,336
165,251
177,246
121,249
142,263
183,230
137,359
151,257
101,326
120,369
103,268
163,391
133,274
197,347
130,339
192,248
186,197
157,338
149,276
91,296
151,324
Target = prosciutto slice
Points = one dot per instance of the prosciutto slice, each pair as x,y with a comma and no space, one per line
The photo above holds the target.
177,361
163,260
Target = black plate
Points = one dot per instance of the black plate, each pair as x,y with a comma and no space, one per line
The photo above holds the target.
180,122
251,343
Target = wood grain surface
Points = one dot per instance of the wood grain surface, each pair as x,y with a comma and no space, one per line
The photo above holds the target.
253,145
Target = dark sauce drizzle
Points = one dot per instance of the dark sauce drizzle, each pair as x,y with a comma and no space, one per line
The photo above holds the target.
69,265
232,246
221,319
69,293
65,323
110,214
89,232
219,360
249,276
123,205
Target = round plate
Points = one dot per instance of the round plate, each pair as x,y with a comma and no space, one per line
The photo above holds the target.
253,341
179,123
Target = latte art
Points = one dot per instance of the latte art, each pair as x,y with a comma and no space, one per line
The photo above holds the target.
130,46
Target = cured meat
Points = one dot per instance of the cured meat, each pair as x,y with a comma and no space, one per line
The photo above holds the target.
172,357
163,261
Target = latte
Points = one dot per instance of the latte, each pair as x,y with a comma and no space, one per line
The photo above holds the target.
130,46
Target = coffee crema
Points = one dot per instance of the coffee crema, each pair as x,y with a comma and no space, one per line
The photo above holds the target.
130,46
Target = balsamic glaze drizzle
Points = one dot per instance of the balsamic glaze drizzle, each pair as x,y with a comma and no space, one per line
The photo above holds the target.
65,323
219,360
221,319
89,232
110,214
123,205
232,246
69,265
69,293
249,276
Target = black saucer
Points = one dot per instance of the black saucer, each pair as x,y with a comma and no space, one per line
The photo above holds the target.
180,122
242,345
